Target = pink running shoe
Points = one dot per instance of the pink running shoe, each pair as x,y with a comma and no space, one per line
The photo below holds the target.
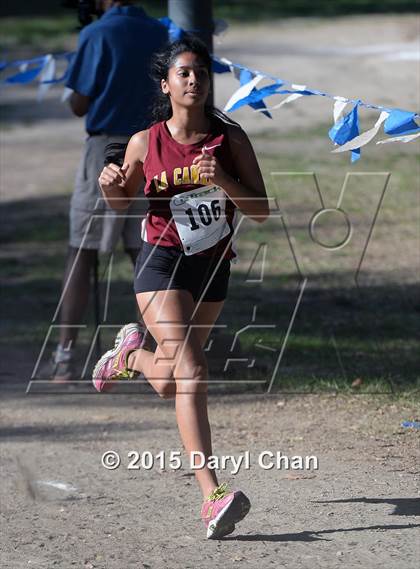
113,364
222,510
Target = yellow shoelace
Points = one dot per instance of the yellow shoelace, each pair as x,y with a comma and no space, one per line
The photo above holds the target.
219,492
125,373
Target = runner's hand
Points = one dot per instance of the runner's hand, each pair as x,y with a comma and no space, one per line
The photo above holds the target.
210,167
113,178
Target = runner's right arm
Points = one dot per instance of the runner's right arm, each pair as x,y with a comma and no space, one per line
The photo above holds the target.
120,185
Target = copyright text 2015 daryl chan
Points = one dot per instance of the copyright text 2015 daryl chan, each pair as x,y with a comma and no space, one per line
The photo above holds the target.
174,460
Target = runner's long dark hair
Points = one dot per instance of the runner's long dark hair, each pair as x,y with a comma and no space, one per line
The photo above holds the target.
161,63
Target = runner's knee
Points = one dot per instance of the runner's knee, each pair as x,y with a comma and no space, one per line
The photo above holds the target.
191,377
167,389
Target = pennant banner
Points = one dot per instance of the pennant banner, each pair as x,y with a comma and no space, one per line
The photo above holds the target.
344,132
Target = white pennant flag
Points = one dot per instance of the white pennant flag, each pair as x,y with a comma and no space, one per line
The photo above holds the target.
229,62
363,138
339,106
47,74
404,138
66,94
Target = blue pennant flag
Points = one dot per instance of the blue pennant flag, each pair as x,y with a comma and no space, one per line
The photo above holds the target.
401,122
261,105
346,129
175,32
25,76
219,67
305,92
245,76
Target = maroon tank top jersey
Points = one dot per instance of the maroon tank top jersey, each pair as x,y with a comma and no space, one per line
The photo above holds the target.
169,170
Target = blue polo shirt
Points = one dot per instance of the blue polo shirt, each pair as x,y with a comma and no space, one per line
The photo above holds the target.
112,68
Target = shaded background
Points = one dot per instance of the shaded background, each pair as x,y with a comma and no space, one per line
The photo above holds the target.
244,9
355,336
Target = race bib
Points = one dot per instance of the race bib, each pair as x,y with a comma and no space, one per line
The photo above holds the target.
199,217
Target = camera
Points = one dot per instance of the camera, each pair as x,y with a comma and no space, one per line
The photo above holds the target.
86,10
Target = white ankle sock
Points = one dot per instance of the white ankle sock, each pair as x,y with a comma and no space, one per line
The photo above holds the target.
62,355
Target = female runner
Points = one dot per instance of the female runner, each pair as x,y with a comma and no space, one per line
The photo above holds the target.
183,269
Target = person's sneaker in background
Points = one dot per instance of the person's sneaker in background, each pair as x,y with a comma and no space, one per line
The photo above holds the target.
61,367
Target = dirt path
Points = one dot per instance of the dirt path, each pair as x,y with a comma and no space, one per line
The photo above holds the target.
361,508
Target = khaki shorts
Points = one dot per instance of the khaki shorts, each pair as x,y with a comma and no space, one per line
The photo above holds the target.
93,224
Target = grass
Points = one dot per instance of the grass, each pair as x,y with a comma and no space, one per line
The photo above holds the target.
38,34
251,10
52,28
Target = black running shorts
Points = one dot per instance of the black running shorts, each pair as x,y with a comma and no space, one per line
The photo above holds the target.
168,268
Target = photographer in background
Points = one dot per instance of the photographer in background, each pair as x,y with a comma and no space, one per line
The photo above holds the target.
109,76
